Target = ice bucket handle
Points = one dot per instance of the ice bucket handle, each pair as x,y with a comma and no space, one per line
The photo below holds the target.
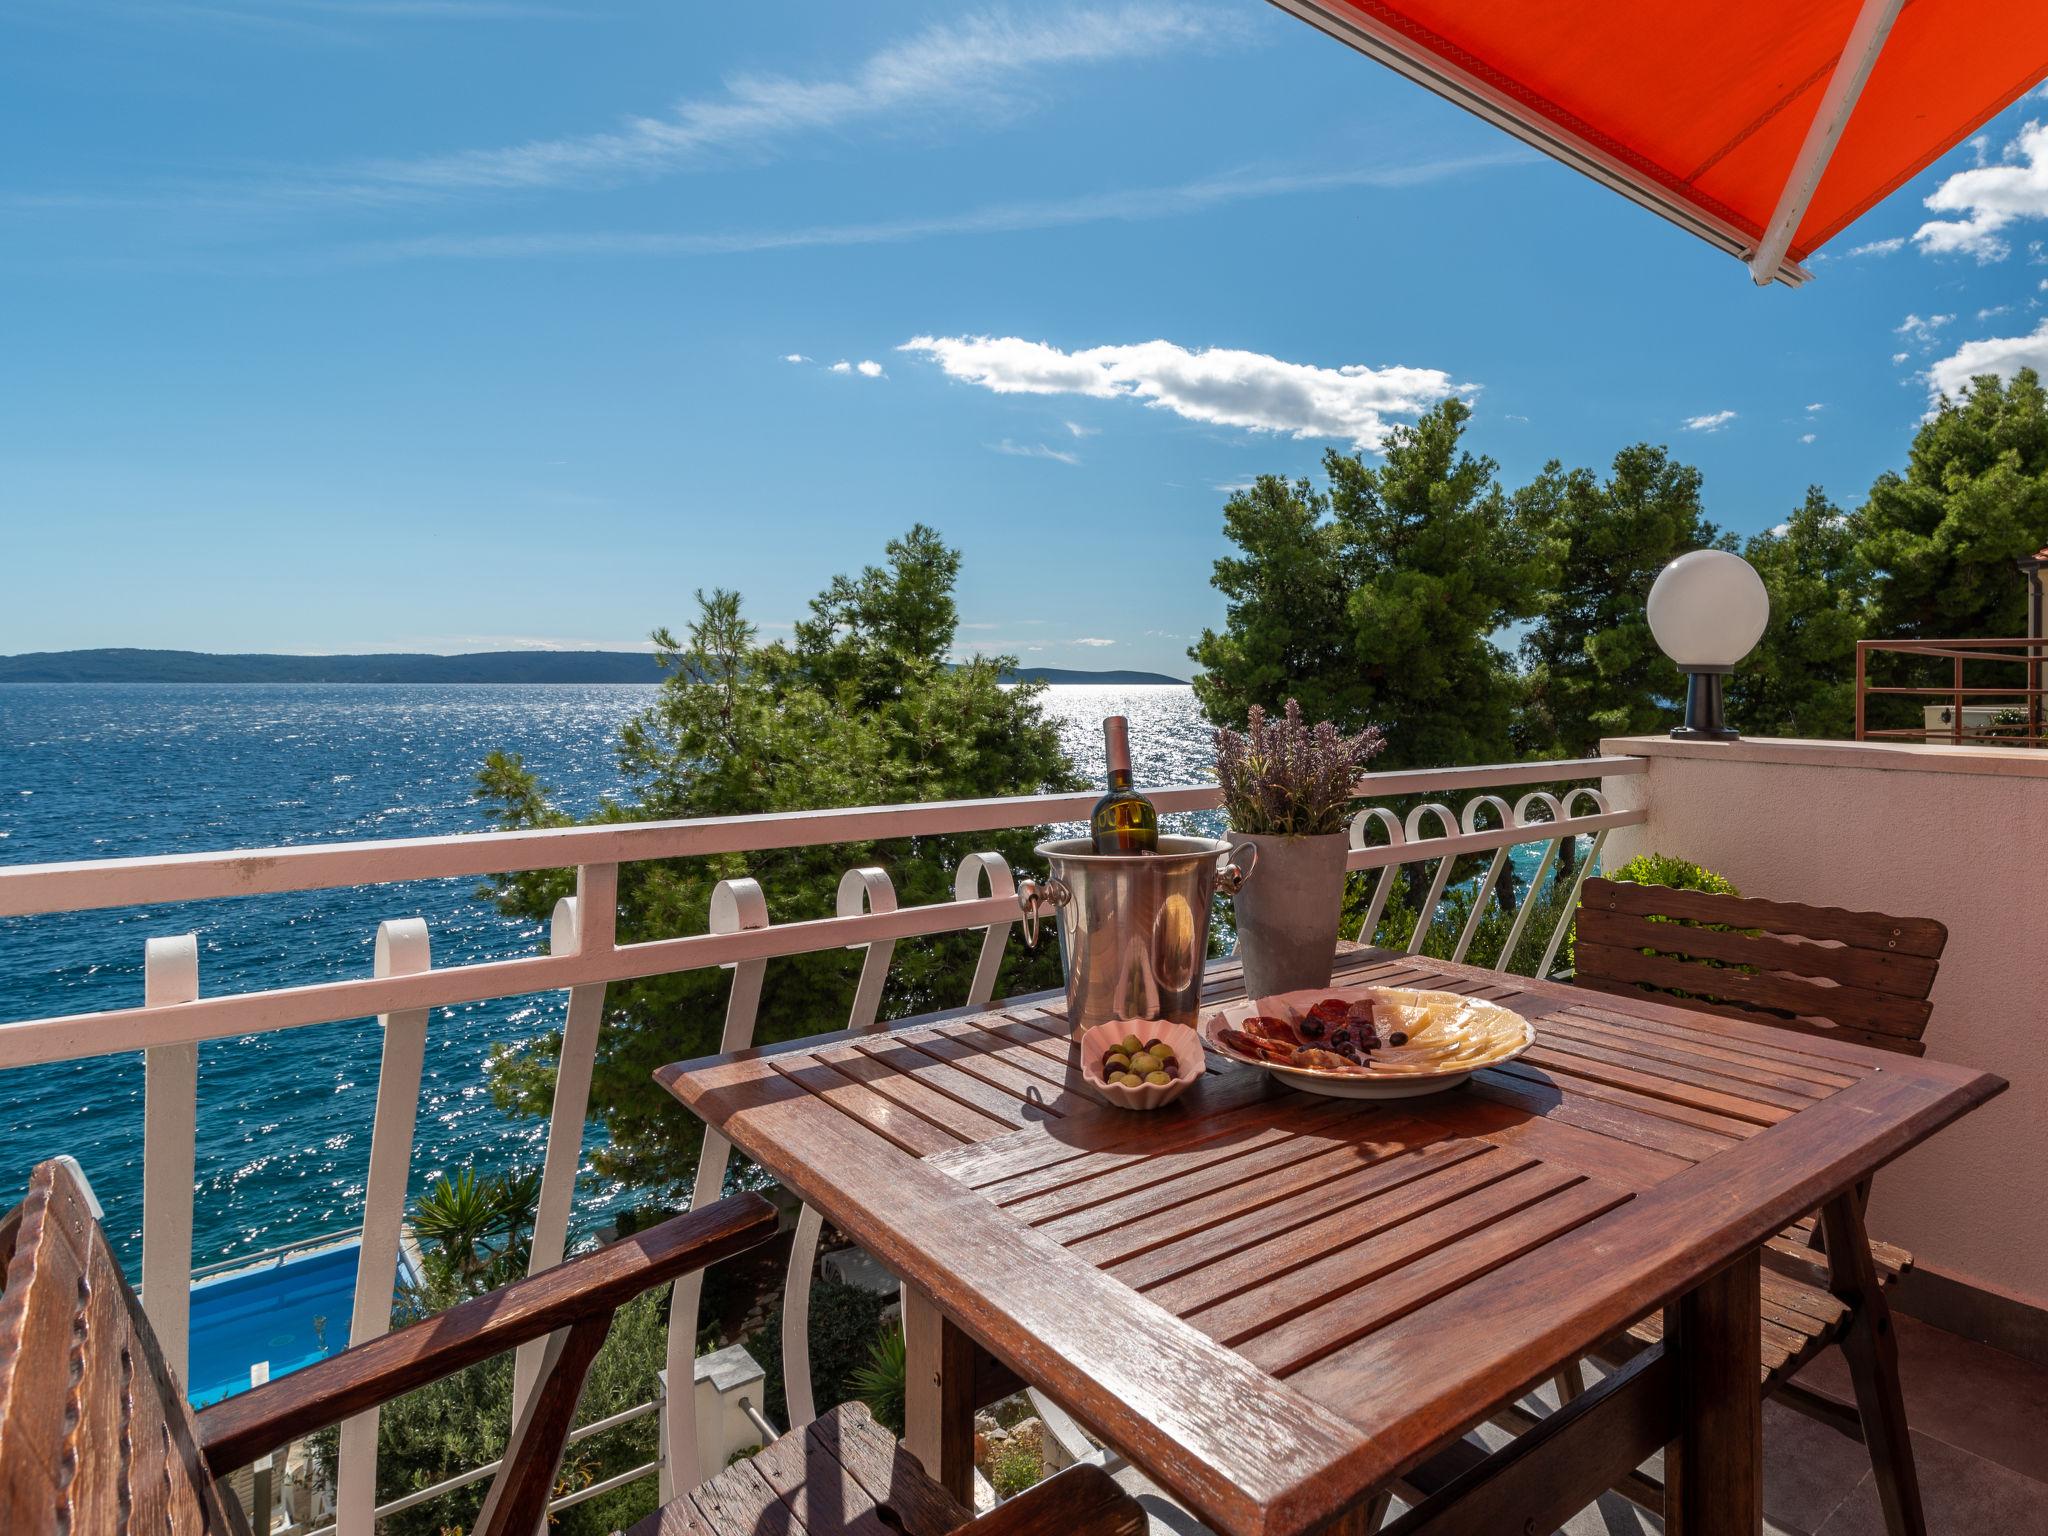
1036,897
1244,859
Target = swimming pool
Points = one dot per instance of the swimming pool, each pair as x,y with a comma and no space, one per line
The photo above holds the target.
289,1308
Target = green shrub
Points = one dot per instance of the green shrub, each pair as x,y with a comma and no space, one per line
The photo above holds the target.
464,1421
846,1324
1013,1468
1679,874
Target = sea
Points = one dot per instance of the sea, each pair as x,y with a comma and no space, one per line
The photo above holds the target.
93,771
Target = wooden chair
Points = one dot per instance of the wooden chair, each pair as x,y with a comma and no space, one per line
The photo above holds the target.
96,1435
1860,976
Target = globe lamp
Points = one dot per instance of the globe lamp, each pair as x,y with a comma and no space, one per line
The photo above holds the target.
1707,611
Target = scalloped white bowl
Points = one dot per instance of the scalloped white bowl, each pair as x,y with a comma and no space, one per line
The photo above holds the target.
1187,1054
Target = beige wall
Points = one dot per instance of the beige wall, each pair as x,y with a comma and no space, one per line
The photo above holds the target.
1954,833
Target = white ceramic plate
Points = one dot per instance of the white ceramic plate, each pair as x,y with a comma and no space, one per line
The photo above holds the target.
1451,1036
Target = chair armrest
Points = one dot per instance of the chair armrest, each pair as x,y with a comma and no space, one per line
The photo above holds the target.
1081,1501
234,1432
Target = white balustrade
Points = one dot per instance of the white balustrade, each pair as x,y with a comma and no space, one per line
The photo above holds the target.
589,918
868,890
979,871
170,1110
737,906
402,949
1461,834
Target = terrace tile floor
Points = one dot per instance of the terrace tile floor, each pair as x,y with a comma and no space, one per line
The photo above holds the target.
1980,1437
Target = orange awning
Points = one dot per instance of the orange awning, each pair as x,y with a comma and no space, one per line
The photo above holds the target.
1761,126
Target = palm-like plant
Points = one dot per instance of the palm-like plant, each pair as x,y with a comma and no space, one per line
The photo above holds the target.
456,1215
880,1382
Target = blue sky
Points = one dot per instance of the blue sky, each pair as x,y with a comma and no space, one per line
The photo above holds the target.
425,324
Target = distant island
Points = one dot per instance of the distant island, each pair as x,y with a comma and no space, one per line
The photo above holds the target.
139,666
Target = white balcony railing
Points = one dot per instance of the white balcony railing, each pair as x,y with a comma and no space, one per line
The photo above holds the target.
584,957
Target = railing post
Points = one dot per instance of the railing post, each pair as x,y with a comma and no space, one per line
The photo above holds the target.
737,906
968,879
1390,824
1862,679
402,950
585,923
868,890
1427,915
1469,820
863,890
662,1479
796,1319
261,1492
1586,867
170,1108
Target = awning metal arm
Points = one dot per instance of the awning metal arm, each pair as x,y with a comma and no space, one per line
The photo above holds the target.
1852,70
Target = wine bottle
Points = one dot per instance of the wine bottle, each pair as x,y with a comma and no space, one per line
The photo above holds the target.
1124,820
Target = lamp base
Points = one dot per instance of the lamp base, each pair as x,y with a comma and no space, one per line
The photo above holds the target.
1705,693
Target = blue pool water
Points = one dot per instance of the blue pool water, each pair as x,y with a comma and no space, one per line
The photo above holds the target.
289,1310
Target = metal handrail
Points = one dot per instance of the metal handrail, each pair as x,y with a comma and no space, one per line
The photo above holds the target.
2031,696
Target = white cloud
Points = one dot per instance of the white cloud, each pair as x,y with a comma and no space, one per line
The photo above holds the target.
1989,197
868,368
1232,487
1078,430
794,357
1092,640
1993,311
1779,530
1133,205
1222,386
2002,355
1034,451
1921,328
1818,405
975,64
1806,437
1712,422
1879,247
1900,357
842,366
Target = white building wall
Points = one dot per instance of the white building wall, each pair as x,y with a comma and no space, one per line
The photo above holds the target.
1954,833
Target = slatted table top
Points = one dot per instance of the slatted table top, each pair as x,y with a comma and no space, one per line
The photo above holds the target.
1275,1302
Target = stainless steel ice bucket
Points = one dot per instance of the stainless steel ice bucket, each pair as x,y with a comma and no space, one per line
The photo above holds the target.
1134,928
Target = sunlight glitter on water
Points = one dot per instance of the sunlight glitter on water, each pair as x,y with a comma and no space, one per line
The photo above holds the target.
110,770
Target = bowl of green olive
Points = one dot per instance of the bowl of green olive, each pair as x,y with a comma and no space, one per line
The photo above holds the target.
1141,1063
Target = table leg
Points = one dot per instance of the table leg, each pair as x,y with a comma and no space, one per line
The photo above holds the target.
1873,1353
1713,1471
938,1396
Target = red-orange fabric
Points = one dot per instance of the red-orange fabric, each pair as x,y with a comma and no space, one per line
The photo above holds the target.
1711,99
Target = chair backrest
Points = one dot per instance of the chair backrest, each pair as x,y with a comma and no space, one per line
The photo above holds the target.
95,1436
1858,976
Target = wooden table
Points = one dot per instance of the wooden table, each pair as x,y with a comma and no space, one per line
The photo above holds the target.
1277,1304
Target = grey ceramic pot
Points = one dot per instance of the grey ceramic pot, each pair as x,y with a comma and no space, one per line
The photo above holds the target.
1287,919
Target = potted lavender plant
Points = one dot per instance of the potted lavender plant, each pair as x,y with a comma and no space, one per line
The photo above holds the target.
1289,786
